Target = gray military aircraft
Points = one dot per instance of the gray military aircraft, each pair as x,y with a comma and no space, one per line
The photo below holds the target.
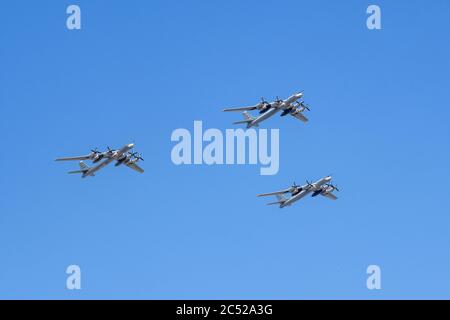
321,187
266,110
121,156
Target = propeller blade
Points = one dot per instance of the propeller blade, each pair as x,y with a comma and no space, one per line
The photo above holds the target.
333,187
309,184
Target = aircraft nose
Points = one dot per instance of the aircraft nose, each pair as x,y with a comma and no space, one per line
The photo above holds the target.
328,178
131,145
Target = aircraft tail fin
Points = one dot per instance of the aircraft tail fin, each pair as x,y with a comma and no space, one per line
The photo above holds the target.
281,199
83,168
247,119
247,116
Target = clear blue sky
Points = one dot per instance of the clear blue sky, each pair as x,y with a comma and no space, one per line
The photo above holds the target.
140,69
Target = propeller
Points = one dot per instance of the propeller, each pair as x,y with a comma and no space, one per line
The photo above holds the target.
263,105
332,186
293,188
278,100
303,104
95,151
294,185
263,101
309,184
137,156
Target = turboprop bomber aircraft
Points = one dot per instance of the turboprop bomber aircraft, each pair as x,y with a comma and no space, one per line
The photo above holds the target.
321,187
291,106
121,156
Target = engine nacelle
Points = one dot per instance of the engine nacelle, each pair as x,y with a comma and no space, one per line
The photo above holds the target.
97,158
128,160
118,163
264,109
286,112
121,160
296,191
317,192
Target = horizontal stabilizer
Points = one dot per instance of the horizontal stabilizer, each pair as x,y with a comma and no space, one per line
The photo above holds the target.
77,171
248,119
272,203
242,121
83,169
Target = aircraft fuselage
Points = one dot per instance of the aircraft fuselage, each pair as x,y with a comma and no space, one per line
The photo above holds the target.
266,115
316,186
274,108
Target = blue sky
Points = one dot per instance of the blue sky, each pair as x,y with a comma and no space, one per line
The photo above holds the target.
138,70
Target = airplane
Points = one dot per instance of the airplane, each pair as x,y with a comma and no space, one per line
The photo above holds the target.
121,156
321,187
266,110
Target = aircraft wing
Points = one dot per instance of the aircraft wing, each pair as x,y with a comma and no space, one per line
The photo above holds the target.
240,109
135,167
330,196
74,158
300,117
274,193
